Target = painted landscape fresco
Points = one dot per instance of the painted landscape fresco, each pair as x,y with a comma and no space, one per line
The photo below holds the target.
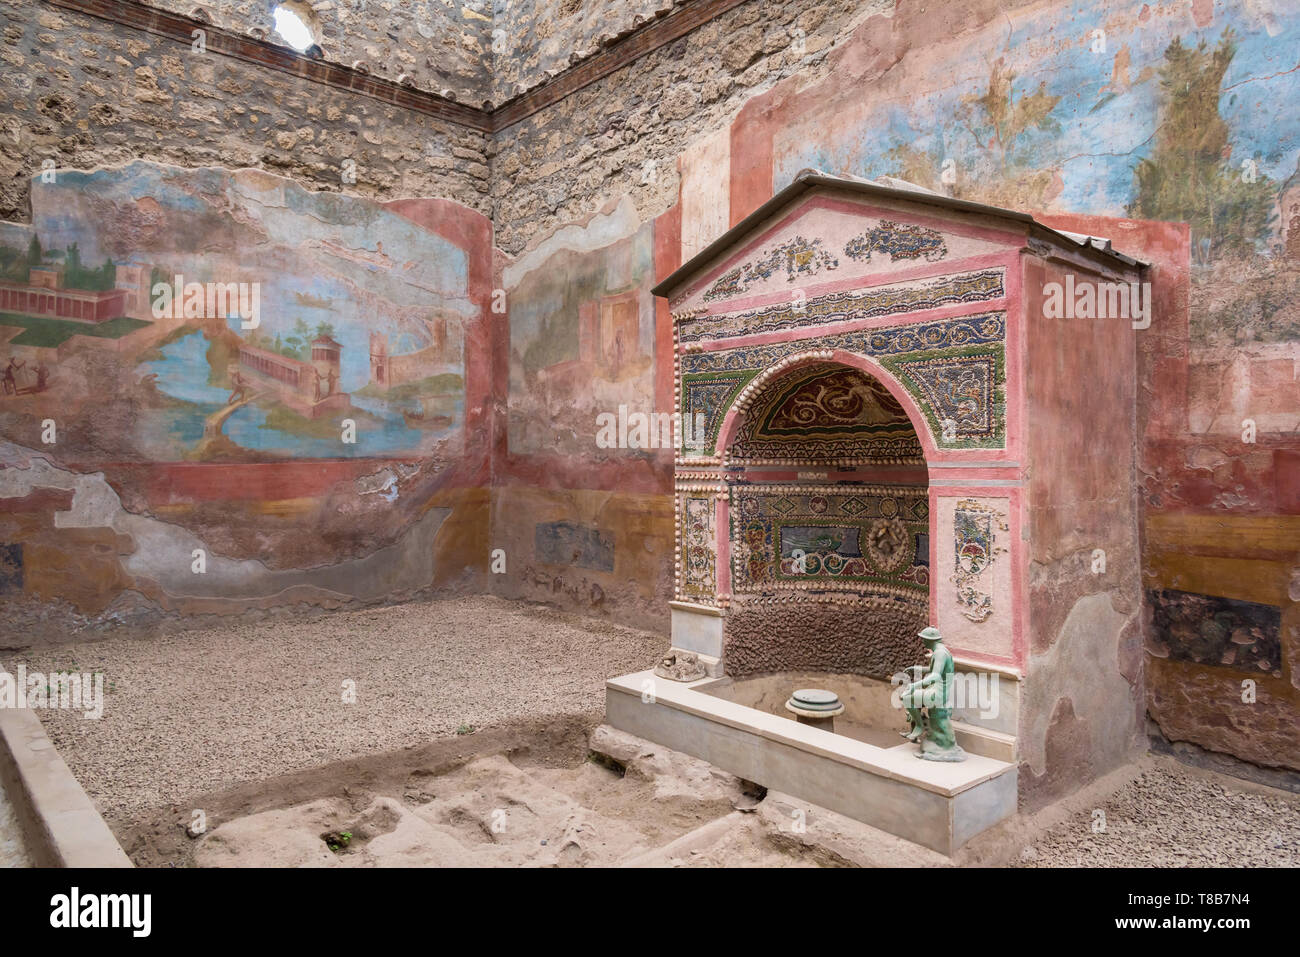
581,344
211,315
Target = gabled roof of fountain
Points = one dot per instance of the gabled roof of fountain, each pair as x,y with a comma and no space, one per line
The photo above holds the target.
887,188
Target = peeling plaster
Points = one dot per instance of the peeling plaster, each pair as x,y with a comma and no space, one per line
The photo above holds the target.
164,553
603,229
1082,665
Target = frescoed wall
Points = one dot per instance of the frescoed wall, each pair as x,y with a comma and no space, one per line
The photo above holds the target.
580,485
1168,129
232,365
581,343
246,317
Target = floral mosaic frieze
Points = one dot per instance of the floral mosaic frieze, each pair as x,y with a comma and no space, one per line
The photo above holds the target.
800,257
795,258
896,298
983,329
901,242
954,368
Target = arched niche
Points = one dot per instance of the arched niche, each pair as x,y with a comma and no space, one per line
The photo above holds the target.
825,553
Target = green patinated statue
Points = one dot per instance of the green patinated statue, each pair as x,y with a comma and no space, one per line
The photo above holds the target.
929,703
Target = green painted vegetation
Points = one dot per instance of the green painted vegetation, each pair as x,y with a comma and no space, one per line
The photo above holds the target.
16,266
49,332
296,345
448,383
281,418
1189,176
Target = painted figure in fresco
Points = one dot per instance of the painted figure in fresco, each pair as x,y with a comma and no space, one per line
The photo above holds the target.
11,376
42,377
328,390
929,703
240,388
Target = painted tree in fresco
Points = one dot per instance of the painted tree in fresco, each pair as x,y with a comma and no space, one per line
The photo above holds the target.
998,162
14,265
296,345
77,275
999,122
1191,176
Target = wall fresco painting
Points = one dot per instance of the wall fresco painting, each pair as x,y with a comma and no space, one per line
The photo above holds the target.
210,315
568,543
581,344
1038,113
1223,632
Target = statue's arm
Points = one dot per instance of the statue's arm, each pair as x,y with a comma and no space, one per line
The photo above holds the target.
935,673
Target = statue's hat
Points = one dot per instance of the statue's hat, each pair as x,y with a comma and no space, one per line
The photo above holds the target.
930,634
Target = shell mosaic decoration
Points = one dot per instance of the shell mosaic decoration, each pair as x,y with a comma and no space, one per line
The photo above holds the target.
795,257
871,540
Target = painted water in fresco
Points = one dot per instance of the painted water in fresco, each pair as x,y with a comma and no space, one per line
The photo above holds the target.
343,334
182,373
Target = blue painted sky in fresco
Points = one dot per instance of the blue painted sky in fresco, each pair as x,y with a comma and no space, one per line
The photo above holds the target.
302,247
288,215
1103,133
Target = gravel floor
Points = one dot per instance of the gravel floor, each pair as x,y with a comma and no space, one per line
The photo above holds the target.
1172,815
210,709
12,851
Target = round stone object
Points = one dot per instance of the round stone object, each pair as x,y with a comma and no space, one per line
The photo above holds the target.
815,699
815,707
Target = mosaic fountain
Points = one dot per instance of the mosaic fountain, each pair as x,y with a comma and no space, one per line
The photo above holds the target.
860,355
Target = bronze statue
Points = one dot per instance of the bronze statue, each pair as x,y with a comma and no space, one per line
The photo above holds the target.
929,701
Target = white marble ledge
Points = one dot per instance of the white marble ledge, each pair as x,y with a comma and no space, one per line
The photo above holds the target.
900,764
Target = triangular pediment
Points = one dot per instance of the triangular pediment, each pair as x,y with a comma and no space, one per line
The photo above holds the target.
824,237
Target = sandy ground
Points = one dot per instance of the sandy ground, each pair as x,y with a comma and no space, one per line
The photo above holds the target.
249,724
206,710
637,805
653,807
12,851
